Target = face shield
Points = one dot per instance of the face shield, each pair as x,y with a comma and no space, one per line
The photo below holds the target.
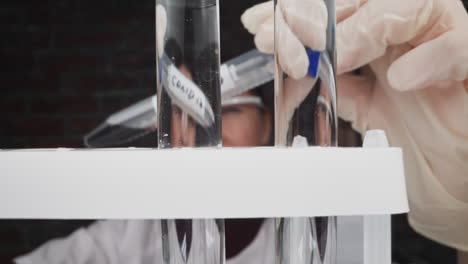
244,100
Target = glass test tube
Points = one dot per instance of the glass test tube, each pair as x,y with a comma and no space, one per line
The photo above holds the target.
189,93
305,115
189,112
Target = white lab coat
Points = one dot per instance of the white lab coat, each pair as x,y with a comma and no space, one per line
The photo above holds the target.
133,242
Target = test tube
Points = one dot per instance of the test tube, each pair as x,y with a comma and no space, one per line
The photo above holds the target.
189,112
305,115
189,94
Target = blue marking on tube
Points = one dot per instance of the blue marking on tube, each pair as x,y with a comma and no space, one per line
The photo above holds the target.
314,58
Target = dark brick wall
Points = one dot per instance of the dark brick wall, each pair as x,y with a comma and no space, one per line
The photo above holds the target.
67,64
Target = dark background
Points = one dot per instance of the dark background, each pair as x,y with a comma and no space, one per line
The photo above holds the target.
65,65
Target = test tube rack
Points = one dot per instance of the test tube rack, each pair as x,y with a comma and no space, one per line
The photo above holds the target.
362,186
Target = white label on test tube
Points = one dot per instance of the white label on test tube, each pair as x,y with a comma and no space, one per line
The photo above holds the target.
189,97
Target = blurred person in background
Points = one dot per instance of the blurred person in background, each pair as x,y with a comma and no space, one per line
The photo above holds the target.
246,121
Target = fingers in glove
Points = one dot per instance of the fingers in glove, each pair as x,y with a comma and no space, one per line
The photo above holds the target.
345,8
366,34
254,17
442,59
264,39
293,92
354,93
291,52
308,20
161,26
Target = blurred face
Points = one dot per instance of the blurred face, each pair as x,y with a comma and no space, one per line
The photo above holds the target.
246,124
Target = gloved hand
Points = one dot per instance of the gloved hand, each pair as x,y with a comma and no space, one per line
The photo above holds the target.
297,28
161,26
413,59
413,84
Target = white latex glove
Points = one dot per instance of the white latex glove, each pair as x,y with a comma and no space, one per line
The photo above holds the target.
414,86
161,27
301,23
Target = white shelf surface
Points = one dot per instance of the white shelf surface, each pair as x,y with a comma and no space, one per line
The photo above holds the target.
201,183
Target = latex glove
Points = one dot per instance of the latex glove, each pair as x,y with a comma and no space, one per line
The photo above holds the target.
414,86
161,27
300,24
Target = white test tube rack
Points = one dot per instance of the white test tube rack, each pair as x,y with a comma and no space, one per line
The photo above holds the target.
362,186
